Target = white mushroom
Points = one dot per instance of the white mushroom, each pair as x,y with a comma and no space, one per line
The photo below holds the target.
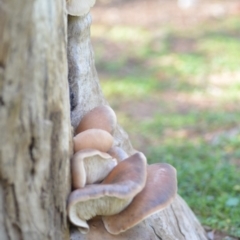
90,166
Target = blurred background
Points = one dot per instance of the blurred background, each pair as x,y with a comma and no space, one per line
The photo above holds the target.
171,71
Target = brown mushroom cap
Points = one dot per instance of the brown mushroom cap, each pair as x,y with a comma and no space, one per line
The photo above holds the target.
90,166
160,190
93,138
111,196
79,7
118,153
101,117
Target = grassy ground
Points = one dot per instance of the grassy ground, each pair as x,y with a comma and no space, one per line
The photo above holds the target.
175,86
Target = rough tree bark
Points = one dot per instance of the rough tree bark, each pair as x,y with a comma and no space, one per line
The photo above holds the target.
35,129
175,222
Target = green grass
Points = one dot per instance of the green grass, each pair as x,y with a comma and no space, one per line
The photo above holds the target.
206,180
190,98
134,87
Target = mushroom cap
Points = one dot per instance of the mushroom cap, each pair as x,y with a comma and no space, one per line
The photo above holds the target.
90,166
111,196
118,153
158,193
79,7
93,138
101,117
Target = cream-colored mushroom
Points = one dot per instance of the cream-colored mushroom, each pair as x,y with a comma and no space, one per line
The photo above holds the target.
111,196
90,166
160,190
118,153
79,7
93,138
101,117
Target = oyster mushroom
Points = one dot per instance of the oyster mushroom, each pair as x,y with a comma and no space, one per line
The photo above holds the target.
101,117
158,193
93,138
110,197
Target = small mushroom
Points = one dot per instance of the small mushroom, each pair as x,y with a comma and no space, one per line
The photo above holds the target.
90,166
111,196
79,7
101,117
160,190
118,153
93,138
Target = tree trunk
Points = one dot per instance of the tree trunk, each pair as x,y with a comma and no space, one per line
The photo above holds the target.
35,130
175,222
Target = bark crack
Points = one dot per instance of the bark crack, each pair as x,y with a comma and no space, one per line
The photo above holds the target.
16,222
156,233
15,202
72,100
2,103
2,65
178,224
31,146
31,149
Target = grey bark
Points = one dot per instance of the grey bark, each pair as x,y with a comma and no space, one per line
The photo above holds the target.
177,222
35,130
84,84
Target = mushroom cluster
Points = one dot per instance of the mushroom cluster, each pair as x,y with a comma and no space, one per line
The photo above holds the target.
123,190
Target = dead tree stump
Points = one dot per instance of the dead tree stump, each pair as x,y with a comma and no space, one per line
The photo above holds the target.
175,222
